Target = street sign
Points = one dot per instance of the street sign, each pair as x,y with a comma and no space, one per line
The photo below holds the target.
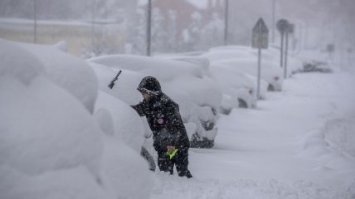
260,37
282,25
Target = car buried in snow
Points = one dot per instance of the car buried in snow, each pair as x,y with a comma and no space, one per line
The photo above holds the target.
244,59
239,89
188,84
314,66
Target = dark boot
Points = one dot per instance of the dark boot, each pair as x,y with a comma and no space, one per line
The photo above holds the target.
185,174
181,162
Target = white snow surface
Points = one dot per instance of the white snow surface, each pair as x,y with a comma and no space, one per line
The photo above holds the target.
154,66
18,63
36,122
126,123
68,72
298,143
51,146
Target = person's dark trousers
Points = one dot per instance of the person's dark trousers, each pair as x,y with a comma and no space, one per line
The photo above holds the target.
164,163
180,160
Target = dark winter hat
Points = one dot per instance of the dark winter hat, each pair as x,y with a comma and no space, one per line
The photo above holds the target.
149,84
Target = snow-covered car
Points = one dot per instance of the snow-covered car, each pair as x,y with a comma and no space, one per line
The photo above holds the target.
69,72
314,66
186,83
237,86
49,130
239,89
244,59
219,53
269,72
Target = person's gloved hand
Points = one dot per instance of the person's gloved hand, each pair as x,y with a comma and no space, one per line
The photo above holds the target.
171,152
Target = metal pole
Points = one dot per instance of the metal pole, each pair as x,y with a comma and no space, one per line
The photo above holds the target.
273,21
281,49
259,74
149,28
93,16
226,15
34,21
286,55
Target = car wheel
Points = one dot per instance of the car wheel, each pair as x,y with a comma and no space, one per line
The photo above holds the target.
225,111
271,88
242,103
197,142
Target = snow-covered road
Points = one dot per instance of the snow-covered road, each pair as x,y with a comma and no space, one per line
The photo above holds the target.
299,143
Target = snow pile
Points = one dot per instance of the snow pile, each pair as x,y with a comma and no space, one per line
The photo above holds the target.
125,87
60,184
62,45
157,67
123,180
227,104
236,84
51,146
126,174
227,52
24,68
68,72
41,129
126,123
269,70
176,78
244,59
41,134
189,92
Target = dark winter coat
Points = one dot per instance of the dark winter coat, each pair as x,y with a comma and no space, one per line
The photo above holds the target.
165,122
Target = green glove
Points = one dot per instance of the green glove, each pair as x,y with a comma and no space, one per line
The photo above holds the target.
172,153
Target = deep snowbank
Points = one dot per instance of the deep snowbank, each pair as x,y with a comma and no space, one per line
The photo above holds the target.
51,146
68,72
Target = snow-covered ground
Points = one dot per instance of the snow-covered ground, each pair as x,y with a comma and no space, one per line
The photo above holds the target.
299,143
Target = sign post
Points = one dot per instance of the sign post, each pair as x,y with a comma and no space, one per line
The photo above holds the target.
284,28
260,40
282,25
